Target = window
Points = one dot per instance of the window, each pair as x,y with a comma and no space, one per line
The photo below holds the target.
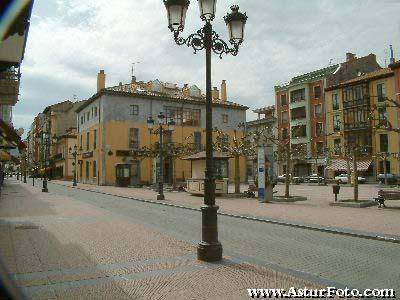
298,113
320,148
382,114
337,146
336,123
95,111
87,170
224,118
94,169
335,101
87,140
87,116
134,110
133,138
283,99
381,90
81,119
174,113
319,129
285,133
299,131
95,139
317,92
297,95
191,117
197,140
318,110
81,141
221,168
92,112
285,117
383,143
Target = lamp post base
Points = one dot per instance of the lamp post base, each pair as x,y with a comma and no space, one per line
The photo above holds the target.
45,190
160,197
209,252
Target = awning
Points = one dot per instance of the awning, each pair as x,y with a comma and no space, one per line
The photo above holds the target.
341,165
10,137
202,155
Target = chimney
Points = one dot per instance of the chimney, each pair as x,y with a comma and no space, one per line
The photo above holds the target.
391,55
350,56
224,96
215,94
185,90
101,81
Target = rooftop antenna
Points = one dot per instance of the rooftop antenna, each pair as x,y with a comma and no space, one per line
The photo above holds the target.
391,55
385,58
133,76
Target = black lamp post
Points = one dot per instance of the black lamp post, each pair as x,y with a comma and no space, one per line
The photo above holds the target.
43,139
25,165
209,249
160,131
74,154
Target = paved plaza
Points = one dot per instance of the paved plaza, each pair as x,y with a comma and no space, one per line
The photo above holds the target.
56,247
315,211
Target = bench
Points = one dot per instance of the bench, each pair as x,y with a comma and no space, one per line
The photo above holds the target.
386,195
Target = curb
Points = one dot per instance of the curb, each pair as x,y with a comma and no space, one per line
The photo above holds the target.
332,230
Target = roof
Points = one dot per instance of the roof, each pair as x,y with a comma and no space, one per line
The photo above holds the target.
381,73
202,155
395,65
263,121
309,77
161,96
264,109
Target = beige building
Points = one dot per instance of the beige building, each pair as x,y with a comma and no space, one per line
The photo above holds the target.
112,129
358,113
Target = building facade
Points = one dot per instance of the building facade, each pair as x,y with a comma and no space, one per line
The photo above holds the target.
300,109
359,114
112,128
266,120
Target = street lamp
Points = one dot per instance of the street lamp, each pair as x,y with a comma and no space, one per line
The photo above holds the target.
74,154
160,131
43,140
209,249
25,165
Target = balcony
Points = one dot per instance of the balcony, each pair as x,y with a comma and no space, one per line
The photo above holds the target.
358,102
9,87
357,126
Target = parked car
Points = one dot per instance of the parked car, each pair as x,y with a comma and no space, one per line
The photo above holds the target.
295,179
391,178
315,178
342,178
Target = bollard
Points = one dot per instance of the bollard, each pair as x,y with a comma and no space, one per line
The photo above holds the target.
336,189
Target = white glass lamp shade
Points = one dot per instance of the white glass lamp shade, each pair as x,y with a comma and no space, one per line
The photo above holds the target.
161,118
207,9
176,12
171,124
236,22
150,123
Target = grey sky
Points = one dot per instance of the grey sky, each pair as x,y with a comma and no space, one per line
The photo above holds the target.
70,40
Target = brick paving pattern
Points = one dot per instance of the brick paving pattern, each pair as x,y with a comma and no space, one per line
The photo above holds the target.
315,211
58,248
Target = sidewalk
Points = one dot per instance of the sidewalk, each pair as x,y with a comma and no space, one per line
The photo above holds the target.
59,248
315,211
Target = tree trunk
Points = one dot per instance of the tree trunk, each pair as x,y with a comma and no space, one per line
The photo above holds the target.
173,173
385,171
237,175
288,169
348,170
355,175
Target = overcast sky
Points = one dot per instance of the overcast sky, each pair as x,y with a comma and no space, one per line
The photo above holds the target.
71,40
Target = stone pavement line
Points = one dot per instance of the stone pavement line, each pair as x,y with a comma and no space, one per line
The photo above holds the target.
334,230
105,258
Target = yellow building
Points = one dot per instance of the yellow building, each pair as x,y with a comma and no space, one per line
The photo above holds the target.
112,126
358,113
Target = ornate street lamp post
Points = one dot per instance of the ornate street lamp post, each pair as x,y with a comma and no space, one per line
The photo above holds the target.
25,165
209,249
160,131
74,154
43,140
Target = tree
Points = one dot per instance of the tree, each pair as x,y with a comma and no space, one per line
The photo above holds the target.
240,146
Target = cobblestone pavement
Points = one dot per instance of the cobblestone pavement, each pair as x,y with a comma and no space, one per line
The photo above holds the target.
324,258
315,211
58,247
